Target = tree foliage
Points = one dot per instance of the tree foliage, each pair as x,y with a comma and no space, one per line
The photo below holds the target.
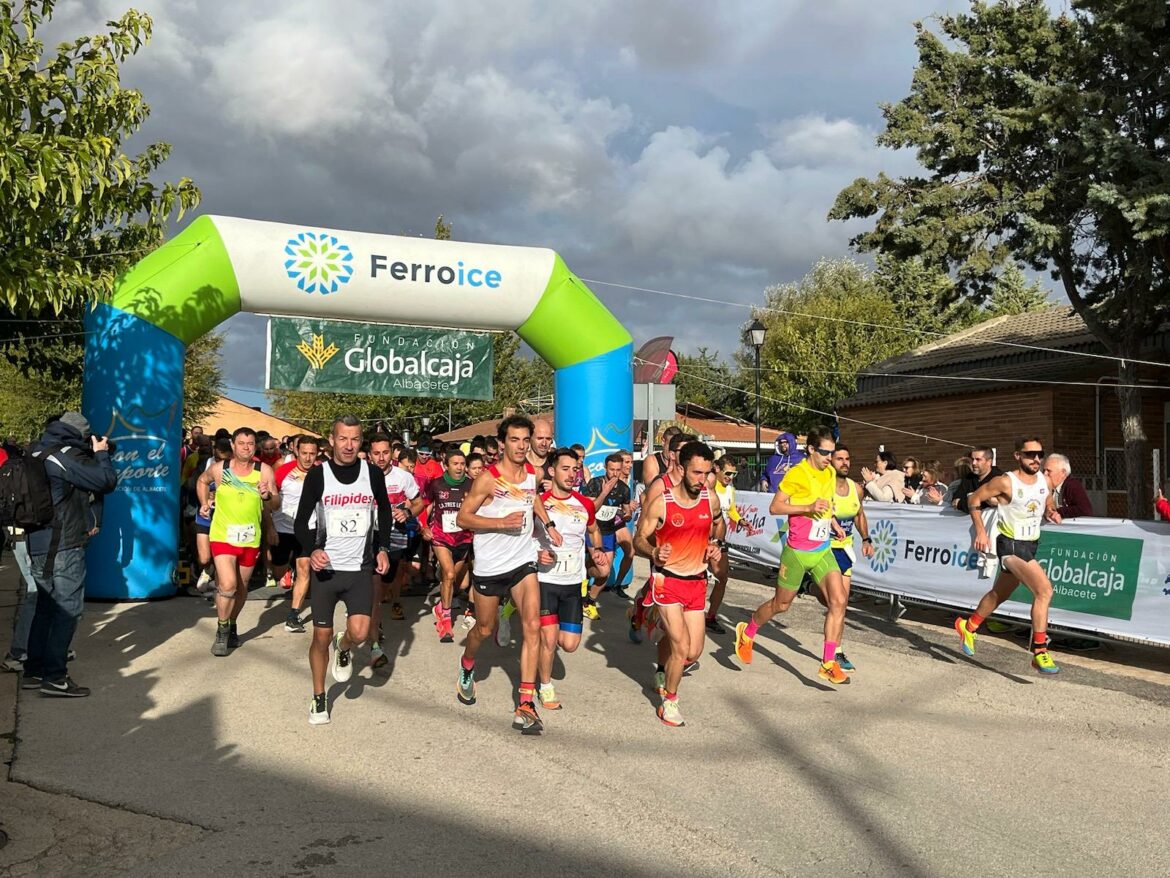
202,377
704,379
1045,141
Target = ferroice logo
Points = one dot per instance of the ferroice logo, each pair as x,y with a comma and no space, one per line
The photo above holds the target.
318,262
885,545
318,355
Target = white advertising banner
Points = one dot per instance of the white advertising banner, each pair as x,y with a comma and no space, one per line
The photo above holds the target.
1110,576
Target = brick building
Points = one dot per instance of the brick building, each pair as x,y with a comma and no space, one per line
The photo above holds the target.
975,387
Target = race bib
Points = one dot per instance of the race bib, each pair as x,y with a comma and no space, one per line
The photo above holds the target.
567,564
606,513
1029,530
341,523
449,525
241,534
819,532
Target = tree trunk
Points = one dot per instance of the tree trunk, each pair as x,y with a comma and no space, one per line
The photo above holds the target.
1133,434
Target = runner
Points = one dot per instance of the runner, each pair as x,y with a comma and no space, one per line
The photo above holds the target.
805,495
687,525
539,451
848,511
451,544
290,480
222,451
499,510
344,494
723,484
474,471
611,498
659,462
1024,496
243,488
402,494
623,534
560,579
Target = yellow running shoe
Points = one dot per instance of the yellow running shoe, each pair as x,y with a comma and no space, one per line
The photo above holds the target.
832,672
743,644
1042,661
966,636
548,697
589,608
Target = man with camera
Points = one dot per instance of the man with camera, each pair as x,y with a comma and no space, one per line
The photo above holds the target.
80,473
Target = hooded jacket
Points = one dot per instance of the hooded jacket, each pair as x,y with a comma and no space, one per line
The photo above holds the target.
779,464
78,478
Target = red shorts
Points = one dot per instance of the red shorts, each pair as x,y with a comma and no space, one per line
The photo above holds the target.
666,590
248,555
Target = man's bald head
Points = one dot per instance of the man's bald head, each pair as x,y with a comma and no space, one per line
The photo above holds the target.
542,438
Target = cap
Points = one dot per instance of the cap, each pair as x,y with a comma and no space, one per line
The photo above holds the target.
423,449
77,421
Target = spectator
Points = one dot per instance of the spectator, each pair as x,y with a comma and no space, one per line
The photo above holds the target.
1068,494
788,454
962,469
1162,506
930,491
982,470
912,468
80,472
885,483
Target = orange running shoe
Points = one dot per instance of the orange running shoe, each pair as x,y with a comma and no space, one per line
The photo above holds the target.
832,672
743,644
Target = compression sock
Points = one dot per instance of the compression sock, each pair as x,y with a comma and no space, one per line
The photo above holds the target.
830,651
525,692
973,622
1040,641
752,628
467,664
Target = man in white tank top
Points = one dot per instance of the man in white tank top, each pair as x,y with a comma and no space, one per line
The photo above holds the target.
1023,498
499,510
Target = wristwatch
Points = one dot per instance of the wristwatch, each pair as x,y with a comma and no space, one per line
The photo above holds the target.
866,540
551,525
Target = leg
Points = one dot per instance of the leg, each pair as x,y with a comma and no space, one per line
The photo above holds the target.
486,607
549,629
626,541
526,596
379,590
446,576
722,569
319,655
27,608
677,642
1032,575
242,592
227,584
61,591
300,584
792,568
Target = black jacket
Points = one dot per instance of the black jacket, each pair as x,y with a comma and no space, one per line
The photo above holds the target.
969,484
78,479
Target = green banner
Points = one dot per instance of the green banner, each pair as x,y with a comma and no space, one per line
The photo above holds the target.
1090,574
380,360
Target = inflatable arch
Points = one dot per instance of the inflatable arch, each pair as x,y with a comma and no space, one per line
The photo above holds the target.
220,265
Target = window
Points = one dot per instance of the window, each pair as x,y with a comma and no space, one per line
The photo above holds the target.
1115,469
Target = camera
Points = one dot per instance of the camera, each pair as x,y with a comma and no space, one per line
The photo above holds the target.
108,440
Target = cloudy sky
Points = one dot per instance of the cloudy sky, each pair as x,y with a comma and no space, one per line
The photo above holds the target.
682,146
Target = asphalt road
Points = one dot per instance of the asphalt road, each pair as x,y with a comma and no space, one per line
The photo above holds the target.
927,764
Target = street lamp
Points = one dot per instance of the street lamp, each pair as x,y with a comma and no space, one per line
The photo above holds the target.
757,331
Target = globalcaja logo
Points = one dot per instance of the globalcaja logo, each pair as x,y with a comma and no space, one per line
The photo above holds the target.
1090,574
318,262
885,545
317,354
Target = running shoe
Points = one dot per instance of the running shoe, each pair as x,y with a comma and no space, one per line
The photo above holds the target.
64,689
633,631
503,633
27,681
743,644
286,581
526,720
1042,661
843,661
445,633
397,613
318,710
548,697
233,638
660,683
220,646
713,626
205,583
589,608
293,624
966,636
377,656
13,664
341,666
833,673
465,691
669,713
437,612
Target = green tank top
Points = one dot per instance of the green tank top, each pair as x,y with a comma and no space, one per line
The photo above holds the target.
845,509
237,509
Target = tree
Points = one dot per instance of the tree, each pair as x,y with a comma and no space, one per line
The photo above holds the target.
924,297
202,378
704,379
1045,141
77,210
1012,294
809,363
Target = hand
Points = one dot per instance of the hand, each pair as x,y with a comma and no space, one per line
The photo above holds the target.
381,565
399,514
819,506
546,485
94,532
599,557
713,552
205,510
1054,517
266,490
512,521
982,543
907,493
100,443
933,494
545,558
838,531
319,560
662,553
867,550
1159,496
554,536
609,484
426,533
867,474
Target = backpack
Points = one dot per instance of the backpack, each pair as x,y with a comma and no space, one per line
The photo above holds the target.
26,499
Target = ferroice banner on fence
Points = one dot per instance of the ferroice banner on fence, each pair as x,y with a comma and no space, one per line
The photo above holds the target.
343,357
1110,576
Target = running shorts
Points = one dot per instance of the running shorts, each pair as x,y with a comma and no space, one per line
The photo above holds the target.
204,529
459,553
1025,550
561,605
408,551
247,555
501,586
327,587
286,550
794,564
844,560
669,589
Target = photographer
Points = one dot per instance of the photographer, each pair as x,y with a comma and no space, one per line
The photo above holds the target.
80,472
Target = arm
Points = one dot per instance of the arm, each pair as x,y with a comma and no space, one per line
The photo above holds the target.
652,513
468,517
97,475
311,492
268,484
649,470
203,486
782,505
385,516
993,489
541,514
862,524
881,488
718,529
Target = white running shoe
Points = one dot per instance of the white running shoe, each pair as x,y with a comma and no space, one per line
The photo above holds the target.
341,665
205,583
318,717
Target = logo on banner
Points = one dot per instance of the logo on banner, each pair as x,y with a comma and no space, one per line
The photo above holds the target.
318,262
1090,573
885,545
317,354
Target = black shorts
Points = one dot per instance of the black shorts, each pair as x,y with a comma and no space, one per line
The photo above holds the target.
459,553
560,604
391,571
1025,550
406,552
501,585
286,550
327,587
204,529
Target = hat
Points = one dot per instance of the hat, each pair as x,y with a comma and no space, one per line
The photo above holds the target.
423,449
77,421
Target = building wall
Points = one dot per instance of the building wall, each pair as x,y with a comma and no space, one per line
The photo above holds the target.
230,414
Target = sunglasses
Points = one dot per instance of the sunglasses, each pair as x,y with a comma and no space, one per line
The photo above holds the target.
730,475
1034,454
825,452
